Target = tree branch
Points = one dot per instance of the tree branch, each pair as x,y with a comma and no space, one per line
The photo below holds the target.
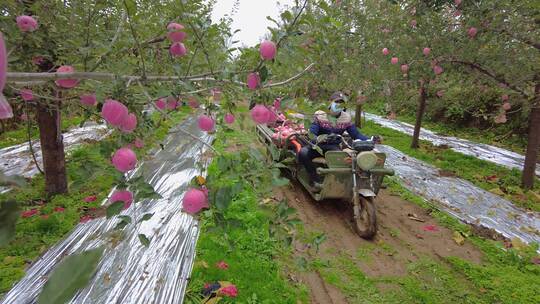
278,44
14,77
29,134
500,79
34,78
134,33
293,78
113,41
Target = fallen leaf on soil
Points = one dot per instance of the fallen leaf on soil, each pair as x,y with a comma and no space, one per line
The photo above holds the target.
521,197
106,278
267,201
222,265
29,213
415,217
430,228
447,173
85,219
201,180
458,238
203,264
90,199
518,244
59,209
529,229
491,178
535,195
497,191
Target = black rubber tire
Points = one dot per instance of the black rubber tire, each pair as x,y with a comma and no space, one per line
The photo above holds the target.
366,224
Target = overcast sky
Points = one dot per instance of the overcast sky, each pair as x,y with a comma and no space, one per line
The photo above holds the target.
250,17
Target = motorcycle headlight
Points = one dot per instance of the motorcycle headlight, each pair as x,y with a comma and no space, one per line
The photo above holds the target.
366,160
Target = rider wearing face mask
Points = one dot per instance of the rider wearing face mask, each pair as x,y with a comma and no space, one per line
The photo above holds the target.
336,121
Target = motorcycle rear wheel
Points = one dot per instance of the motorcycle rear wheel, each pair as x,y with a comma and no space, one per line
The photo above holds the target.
365,223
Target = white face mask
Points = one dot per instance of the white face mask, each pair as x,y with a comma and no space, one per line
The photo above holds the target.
335,108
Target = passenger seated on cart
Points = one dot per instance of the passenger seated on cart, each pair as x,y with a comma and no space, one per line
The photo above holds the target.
336,121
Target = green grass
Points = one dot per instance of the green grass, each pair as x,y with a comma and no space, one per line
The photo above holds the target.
427,282
89,173
20,135
245,234
484,174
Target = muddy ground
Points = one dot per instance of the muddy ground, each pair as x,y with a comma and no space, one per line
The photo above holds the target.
407,237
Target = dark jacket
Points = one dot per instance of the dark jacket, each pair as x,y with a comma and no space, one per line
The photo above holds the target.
322,125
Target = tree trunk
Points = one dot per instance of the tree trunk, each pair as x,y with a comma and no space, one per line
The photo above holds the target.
533,143
52,147
358,116
419,115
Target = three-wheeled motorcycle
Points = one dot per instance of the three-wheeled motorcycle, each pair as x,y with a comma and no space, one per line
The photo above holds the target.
353,174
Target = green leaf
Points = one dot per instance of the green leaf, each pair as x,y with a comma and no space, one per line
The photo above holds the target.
277,180
287,16
263,72
275,153
9,213
272,19
144,240
288,161
131,6
255,153
307,124
294,222
72,274
279,165
114,209
121,225
222,197
124,221
324,6
12,180
125,218
146,217
144,190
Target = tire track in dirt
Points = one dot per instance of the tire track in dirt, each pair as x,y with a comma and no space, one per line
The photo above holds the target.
400,240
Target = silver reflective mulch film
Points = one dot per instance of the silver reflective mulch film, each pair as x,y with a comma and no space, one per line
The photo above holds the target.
129,272
17,160
462,199
490,153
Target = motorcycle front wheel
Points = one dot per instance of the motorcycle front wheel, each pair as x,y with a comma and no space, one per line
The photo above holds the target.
365,217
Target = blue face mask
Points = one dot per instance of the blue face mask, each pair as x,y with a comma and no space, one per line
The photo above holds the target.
336,107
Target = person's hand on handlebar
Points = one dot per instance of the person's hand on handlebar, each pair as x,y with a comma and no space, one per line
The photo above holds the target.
376,139
328,138
321,139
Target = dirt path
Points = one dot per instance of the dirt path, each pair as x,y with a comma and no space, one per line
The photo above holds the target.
400,240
